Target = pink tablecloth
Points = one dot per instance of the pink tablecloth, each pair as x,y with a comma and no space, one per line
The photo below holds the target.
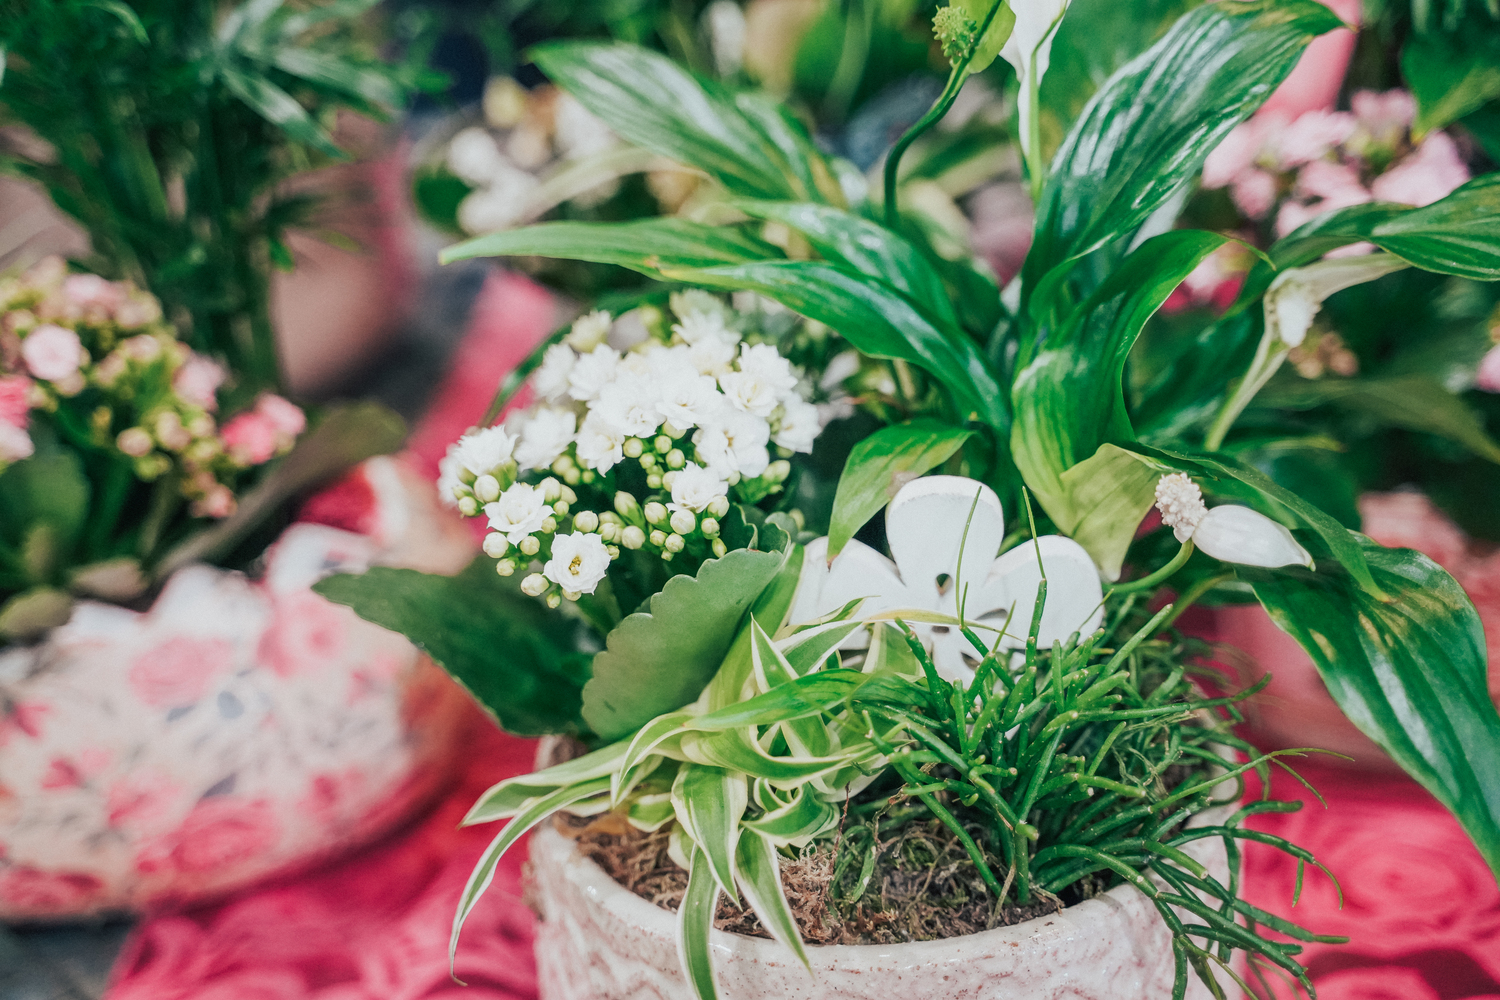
1420,907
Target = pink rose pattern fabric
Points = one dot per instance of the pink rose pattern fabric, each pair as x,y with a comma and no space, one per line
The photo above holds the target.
236,728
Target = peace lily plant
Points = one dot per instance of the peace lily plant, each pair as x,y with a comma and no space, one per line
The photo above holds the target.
1012,673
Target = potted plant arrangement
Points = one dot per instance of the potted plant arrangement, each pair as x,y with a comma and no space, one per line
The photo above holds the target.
171,727
986,755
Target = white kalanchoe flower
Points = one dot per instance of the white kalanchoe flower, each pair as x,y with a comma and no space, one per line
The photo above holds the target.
545,436
448,483
599,446
592,372
748,393
697,325
484,452
801,423
694,488
765,362
629,405
689,400
518,513
691,301
550,381
736,443
589,331
712,355
1229,532
579,562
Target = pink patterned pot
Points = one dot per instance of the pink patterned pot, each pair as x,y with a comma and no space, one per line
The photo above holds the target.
1295,709
239,728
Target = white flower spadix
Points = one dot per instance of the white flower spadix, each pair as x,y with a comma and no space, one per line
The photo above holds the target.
1228,532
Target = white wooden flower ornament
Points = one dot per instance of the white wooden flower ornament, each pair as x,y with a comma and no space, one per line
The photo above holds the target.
925,529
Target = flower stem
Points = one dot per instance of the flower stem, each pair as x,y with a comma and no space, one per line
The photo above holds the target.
1147,582
932,117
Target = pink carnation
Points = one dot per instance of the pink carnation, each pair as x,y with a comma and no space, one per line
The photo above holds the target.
1488,377
198,381
250,438
1430,173
287,418
53,352
15,400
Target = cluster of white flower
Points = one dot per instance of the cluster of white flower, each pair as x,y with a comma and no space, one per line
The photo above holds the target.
694,414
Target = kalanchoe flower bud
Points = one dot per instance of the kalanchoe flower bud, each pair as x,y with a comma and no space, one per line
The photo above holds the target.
468,506
674,543
495,545
487,489
505,567
658,538
719,547
653,481
663,444
627,506
535,585
632,537
551,489
135,442
676,459
655,513
683,522
1229,532
554,601
530,546
549,525
633,448
718,506
586,520
710,527
560,508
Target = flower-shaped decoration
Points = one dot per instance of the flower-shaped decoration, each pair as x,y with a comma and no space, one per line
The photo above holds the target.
941,550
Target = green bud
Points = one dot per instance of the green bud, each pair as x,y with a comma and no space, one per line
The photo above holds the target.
627,506
529,545
551,489
572,476
560,508
571,595
718,506
549,525
956,30
672,430
779,471
674,543
468,506
658,538
710,527
719,547
553,600
653,481
663,444
648,461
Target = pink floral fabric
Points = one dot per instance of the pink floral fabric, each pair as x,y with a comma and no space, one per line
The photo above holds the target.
236,728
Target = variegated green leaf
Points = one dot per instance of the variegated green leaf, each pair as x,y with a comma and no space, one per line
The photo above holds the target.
759,873
710,802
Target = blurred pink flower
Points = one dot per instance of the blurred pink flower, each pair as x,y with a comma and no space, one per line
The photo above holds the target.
1384,116
1310,136
15,443
1235,155
1430,173
52,352
1488,377
92,297
217,502
15,400
198,381
250,438
286,417
1330,186
1254,192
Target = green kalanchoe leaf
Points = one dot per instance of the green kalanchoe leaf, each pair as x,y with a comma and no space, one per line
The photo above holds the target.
518,659
660,660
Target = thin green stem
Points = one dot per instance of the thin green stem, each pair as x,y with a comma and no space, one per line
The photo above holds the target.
1148,582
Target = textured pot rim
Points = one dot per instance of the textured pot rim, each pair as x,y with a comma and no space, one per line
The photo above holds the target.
610,895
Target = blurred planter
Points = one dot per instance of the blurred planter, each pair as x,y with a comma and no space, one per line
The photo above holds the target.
599,939
237,729
1295,709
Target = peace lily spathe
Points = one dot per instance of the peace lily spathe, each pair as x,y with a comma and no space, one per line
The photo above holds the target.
1029,50
1229,532
936,564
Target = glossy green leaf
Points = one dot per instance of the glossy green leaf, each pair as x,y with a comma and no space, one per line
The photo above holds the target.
1069,393
1105,497
652,102
695,925
660,660
1409,673
645,245
880,465
1459,234
280,109
1414,402
875,319
1451,74
1148,131
508,797
484,872
374,87
757,869
866,247
517,658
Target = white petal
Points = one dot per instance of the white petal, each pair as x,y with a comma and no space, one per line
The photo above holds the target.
1074,593
859,571
1238,534
925,524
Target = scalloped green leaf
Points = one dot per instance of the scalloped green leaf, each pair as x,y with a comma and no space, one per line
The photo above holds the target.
659,660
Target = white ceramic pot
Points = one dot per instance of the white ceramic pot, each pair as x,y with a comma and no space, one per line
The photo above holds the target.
599,941
237,729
